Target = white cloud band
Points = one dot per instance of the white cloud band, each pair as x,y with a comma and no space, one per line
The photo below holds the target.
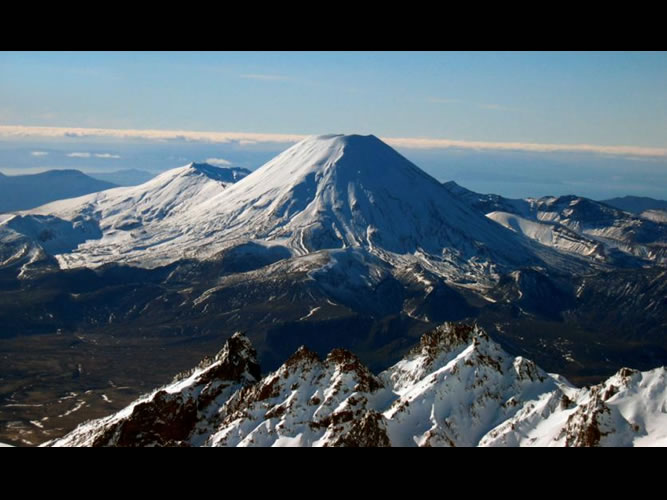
20,131
9,131
416,143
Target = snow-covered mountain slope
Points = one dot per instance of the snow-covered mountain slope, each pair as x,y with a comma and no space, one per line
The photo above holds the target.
486,203
550,234
655,215
455,388
576,225
307,402
326,192
350,191
597,220
149,224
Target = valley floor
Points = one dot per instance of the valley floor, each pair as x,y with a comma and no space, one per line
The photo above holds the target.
51,383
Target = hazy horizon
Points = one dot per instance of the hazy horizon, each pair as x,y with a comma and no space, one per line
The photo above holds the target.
514,174
513,123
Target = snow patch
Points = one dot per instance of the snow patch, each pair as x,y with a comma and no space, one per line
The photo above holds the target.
312,311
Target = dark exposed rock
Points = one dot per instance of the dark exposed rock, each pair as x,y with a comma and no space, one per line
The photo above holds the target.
445,338
237,357
165,420
169,419
584,427
565,402
301,356
527,370
348,362
369,431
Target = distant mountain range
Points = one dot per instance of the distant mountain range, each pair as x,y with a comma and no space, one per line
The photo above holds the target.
130,177
576,225
636,204
23,192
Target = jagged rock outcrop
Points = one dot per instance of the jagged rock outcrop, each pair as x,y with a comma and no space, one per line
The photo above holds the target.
457,387
307,402
175,415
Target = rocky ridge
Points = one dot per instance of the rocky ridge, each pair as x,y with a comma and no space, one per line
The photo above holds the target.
457,387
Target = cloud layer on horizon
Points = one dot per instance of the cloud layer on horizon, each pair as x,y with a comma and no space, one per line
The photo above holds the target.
247,138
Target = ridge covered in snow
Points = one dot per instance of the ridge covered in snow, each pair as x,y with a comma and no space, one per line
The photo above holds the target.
131,225
576,225
457,387
655,215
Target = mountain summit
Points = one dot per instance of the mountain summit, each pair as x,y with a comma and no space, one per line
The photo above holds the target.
335,191
343,191
222,174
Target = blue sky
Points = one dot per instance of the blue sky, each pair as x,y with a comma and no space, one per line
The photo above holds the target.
598,98
481,99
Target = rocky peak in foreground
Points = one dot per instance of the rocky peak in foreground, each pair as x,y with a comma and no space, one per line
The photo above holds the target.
173,415
457,387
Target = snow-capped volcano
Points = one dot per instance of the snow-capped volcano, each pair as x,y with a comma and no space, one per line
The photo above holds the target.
340,191
323,193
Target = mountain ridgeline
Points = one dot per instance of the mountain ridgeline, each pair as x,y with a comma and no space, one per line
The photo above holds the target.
637,204
339,242
576,225
455,388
